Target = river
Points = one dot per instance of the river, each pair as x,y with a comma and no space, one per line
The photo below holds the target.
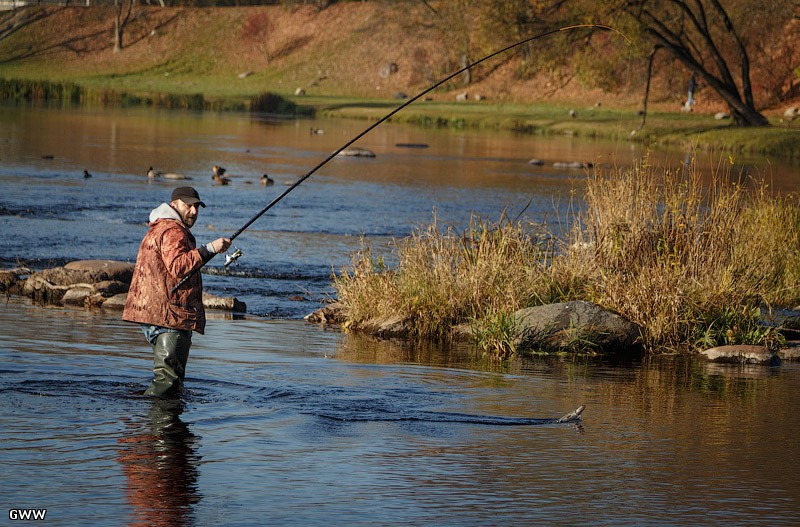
284,423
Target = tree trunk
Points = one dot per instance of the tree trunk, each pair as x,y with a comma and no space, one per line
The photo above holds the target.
685,32
647,86
120,22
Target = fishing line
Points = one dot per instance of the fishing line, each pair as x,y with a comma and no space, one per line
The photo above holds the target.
388,116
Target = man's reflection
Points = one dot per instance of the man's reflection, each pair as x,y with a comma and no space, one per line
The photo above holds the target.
160,464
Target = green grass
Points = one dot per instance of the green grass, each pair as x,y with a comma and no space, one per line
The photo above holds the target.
195,76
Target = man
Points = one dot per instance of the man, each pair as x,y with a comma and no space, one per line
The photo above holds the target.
692,88
167,254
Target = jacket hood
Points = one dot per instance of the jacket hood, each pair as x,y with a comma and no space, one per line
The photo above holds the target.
164,212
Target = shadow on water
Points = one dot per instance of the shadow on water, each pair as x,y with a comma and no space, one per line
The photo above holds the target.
159,458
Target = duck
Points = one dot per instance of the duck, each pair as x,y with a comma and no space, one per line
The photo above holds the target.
316,131
152,174
86,174
218,171
266,180
219,180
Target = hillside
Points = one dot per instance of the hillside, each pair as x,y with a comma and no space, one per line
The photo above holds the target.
346,50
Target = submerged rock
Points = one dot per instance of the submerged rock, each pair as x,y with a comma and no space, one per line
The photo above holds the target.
355,151
742,354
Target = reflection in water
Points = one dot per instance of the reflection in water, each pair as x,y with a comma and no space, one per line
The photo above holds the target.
160,461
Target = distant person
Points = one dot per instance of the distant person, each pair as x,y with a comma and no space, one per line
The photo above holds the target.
692,87
167,254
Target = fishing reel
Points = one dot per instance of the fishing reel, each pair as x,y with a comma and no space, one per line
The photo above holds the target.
232,258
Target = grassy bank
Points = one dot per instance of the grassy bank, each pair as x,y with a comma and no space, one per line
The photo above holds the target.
68,93
690,262
701,132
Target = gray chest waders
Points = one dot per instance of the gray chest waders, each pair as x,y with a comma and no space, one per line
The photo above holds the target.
170,355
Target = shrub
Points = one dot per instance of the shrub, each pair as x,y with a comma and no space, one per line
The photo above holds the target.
691,260
268,102
444,277
671,251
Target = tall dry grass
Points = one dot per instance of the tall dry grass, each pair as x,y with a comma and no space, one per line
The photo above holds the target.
444,277
689,259
680,254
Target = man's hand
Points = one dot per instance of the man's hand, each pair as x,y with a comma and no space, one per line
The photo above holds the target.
220,245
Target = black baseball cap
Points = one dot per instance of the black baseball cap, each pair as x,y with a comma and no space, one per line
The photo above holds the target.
187,195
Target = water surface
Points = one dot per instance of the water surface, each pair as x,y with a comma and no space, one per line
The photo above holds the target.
50,214
284,423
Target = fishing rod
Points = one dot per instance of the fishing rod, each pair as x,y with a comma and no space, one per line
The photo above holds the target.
375,125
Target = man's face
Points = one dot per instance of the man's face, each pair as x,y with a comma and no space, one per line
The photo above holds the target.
188,212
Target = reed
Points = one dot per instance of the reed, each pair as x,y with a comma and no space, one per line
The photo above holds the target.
678,254
444,277
268,102
39,90
691,260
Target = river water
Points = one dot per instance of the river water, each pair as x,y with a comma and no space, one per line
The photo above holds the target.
284,423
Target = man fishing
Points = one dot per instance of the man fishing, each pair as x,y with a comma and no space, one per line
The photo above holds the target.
166,313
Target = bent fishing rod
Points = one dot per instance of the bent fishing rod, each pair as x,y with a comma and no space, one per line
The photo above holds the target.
381,121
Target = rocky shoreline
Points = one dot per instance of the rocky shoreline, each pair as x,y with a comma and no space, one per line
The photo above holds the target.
90,284
553,328
556,328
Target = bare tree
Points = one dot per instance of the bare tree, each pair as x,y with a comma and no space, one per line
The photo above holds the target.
701,35
120,22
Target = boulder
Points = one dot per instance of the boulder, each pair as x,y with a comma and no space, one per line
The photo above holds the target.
77,296
333,314
224,303
109,288
791,351
11,281
209,302
576,326
742,354
100,270
115,302
387,327
51,285
387,70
